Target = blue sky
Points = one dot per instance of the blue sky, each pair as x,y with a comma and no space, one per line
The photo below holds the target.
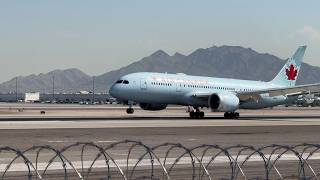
98,36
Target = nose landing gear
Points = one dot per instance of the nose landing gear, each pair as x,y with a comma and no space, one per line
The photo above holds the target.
231,115
130,110
196,114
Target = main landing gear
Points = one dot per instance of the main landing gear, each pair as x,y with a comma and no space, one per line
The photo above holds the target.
196,114
231,115
130,110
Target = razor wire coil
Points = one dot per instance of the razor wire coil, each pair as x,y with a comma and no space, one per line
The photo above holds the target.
133,160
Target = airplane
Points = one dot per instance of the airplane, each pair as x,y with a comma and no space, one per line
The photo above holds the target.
154,91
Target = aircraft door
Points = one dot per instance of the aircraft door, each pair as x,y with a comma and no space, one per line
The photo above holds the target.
179,87
143,84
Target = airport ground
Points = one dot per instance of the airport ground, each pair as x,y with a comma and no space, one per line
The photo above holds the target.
22,126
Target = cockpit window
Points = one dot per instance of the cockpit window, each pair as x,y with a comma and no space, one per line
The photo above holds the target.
122,82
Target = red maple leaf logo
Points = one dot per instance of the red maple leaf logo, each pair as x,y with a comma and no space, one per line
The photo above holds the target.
291,73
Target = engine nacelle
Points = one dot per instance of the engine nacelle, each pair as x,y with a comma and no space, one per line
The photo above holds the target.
153,107
224,102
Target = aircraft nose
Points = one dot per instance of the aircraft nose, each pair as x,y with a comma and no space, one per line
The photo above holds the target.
112,91
115,91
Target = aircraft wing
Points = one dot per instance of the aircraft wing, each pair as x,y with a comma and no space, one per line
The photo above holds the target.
285,91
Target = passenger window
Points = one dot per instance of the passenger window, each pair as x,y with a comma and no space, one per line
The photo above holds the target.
119,81
125,82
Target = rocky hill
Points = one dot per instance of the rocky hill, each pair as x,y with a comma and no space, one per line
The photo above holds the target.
223,61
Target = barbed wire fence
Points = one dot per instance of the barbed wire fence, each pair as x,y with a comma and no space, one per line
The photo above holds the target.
133,160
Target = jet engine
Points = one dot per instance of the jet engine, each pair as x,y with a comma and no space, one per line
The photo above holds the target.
153,107
225,102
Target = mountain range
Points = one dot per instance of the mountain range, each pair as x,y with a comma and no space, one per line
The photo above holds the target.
223,61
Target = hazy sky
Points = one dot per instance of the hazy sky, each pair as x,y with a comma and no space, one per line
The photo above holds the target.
98,36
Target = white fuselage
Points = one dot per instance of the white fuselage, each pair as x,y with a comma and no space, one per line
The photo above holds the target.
163,88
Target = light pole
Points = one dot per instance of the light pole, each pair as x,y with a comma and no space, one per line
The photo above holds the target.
16,89
53,88
93,89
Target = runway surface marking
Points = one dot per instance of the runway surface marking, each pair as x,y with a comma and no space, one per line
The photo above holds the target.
107,141
151,123
57,141
21,167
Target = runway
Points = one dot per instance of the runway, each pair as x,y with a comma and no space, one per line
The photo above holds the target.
62,126
28,116
74,123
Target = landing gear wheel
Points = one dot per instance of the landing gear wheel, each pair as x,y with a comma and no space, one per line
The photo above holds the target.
130,111
196,114
236,115
192,114
231,115
227,115
201,114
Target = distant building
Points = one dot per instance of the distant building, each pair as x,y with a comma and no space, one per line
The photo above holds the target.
75,98
32,97
84,92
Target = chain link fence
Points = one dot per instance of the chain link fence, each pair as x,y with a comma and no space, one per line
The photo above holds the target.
133,160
